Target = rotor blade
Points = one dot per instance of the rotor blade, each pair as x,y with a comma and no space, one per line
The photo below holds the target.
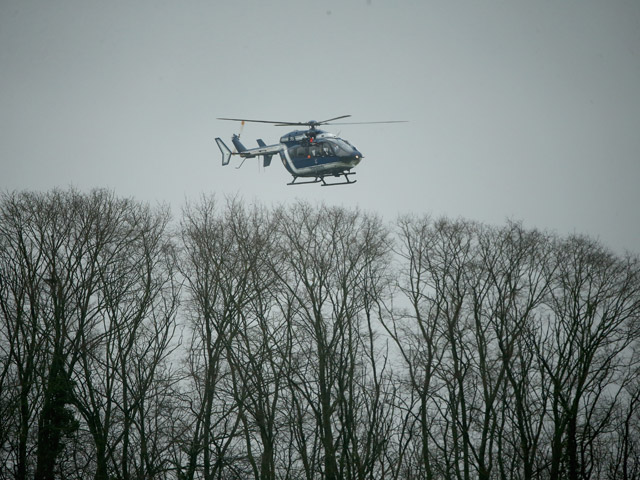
329,121
367,123
311,123
289,124
262,121
324,122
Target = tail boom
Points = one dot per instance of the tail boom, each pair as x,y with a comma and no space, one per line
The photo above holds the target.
264,150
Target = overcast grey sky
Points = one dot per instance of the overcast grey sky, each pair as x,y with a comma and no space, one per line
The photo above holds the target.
527,110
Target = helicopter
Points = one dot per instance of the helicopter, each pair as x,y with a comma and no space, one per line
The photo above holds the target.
310,156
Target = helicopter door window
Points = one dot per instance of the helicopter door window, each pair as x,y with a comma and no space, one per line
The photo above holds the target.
298,151
325,149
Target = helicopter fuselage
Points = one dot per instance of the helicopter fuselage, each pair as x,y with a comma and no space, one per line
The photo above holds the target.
317,153
305,154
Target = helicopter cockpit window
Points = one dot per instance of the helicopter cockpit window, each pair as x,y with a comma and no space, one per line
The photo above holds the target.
340,146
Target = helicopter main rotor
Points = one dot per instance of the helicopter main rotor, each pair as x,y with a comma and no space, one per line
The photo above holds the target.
311,123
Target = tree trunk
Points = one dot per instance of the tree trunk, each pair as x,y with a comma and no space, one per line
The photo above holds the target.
56,420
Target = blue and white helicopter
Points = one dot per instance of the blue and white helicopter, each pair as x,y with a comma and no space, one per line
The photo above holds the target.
312,155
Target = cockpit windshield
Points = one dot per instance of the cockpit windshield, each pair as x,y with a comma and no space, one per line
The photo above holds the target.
341,146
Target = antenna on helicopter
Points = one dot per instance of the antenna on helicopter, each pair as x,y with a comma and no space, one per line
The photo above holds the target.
235,149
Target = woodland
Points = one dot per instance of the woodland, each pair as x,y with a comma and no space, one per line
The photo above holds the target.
240,341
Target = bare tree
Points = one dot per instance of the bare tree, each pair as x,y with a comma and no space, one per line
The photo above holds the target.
472,293
419,344
318,345
124,354
51,236
621,447
21,292
228,280
328,253
79,272
434,340
585,347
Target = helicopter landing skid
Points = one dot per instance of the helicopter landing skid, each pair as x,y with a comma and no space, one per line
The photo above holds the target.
345,182
322,178
293,182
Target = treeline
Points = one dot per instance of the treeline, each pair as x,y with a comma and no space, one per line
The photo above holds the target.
308,342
